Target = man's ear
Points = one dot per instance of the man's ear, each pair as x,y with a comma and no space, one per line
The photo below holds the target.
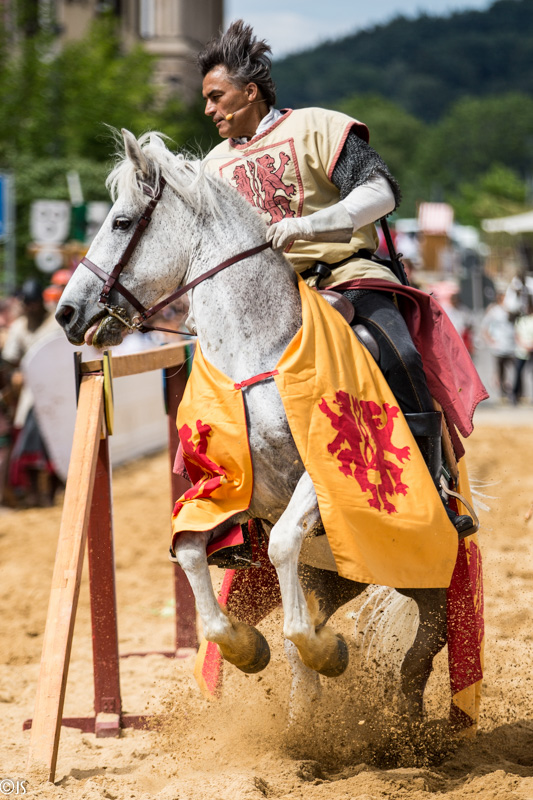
252,92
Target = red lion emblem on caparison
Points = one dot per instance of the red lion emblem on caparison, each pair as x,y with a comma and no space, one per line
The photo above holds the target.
364,447
261,183
207,475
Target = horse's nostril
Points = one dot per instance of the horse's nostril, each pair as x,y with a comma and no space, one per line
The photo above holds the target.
65,314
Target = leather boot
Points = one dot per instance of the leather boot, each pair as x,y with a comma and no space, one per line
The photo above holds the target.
426,428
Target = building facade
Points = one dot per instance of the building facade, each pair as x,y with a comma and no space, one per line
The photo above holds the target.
172,30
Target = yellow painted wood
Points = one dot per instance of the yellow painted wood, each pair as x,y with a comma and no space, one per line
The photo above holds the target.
145,361
109,403
66,578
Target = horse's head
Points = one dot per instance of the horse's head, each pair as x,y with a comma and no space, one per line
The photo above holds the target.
153,258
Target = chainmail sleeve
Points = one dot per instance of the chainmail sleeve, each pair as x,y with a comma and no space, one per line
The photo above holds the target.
357,164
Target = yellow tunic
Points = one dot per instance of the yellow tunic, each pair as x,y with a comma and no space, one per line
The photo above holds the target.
384,520
286,172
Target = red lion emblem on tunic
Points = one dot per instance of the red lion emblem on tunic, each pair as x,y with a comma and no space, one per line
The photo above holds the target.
261,184
364,447
207,475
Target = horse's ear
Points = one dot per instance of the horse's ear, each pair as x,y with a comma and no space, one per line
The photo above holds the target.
135,154
157,141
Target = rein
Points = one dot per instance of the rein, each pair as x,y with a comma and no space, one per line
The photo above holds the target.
111,280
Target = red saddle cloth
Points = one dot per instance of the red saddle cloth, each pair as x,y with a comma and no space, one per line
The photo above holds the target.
451,375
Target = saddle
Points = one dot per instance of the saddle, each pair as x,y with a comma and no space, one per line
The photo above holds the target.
340,303
345,308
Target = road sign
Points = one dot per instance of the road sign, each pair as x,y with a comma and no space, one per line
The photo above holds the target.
7,230
49,221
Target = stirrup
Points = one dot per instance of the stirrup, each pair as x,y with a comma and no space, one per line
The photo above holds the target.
238,556
462,523
475,521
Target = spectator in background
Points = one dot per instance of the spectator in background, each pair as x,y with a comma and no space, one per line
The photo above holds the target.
8,311
52,293
408,245
447,294
410,271
31,477
517,296
524,348
498,332
461,318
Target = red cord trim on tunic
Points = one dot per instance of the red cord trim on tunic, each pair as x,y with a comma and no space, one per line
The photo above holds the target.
255,379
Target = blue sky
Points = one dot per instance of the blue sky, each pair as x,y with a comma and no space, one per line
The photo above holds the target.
292,25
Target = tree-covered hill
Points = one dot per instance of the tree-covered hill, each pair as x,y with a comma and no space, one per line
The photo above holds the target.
424,65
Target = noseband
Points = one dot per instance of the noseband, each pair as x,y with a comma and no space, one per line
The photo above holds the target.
111,280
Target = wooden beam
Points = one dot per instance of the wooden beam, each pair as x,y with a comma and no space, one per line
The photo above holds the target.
66,578
158,358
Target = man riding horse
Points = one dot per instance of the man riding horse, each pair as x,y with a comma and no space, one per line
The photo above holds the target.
287,426
320,187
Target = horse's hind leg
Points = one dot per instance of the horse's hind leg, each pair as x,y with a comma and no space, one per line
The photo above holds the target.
430,638
239,643
332,592
319,647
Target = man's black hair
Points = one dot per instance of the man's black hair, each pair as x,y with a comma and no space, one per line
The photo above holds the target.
244,56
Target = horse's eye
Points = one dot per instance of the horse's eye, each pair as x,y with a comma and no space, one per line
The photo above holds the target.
121,224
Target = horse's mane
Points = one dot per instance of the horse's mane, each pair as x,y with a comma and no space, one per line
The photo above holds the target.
184,173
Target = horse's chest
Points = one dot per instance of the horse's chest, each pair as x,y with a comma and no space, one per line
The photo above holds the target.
276,474
276,462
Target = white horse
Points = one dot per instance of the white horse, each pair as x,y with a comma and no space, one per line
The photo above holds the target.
245,316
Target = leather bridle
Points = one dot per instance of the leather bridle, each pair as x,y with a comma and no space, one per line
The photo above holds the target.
111,280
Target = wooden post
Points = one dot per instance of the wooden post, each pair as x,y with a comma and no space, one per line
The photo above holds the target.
87,515
66,578
186,634
100,549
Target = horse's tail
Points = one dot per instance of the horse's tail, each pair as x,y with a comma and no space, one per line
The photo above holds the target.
385,626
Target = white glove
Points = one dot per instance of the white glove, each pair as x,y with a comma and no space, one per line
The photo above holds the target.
331,224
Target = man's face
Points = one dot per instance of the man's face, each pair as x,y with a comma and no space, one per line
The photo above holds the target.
223,98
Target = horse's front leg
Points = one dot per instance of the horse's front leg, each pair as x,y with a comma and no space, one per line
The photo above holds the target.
319,647
239,643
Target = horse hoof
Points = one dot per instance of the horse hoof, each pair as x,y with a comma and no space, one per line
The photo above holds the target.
262,656
254,656
335,667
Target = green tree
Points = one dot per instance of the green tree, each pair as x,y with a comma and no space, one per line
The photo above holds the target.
57,107
424,64
55,104
496,193
187,125
98,84
395,135
474,135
